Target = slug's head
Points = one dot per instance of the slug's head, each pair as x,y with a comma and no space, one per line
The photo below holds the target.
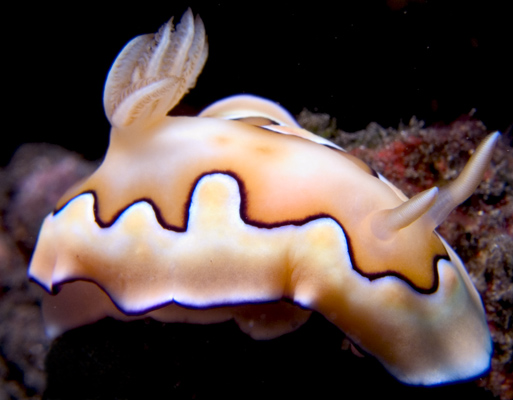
403,239
413,305
405,234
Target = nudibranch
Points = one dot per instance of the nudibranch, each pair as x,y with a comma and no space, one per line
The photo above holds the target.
241,214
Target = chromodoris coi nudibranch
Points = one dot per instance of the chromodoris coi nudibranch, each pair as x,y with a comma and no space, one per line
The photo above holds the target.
241,214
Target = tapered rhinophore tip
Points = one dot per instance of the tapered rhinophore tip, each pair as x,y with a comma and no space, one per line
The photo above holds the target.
459,190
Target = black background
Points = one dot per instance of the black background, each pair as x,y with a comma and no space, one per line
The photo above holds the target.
359,61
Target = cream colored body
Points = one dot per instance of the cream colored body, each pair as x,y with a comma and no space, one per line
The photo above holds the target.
206,219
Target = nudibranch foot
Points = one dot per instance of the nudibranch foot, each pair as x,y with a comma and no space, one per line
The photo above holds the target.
241,214
83,303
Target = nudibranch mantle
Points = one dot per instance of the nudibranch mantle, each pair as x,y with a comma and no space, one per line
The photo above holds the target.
241,214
